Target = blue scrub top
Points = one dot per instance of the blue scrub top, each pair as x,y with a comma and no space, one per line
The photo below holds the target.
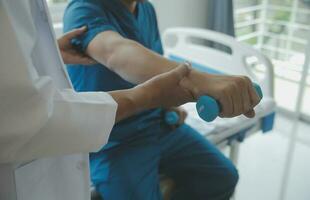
112,15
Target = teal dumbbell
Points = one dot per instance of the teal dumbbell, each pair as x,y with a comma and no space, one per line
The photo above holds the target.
208,108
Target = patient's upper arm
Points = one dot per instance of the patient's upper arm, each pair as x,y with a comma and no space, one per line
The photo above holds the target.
105,45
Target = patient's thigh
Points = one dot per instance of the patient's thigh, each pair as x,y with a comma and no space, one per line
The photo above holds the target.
133,172
185,151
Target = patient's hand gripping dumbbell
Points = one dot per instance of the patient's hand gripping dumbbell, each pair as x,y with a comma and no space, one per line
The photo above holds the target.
207,107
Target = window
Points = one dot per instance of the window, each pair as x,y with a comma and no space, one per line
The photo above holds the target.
279,28
57,8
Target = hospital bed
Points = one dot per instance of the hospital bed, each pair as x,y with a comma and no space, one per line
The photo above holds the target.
217,53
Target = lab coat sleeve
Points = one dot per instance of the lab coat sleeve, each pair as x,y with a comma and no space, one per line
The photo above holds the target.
48,122
79,123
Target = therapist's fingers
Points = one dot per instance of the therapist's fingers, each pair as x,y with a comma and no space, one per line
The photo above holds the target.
75,57
80,59
87,61
71,55
181,71
75,33
176,75
183,115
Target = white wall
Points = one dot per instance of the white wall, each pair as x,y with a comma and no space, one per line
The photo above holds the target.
172,13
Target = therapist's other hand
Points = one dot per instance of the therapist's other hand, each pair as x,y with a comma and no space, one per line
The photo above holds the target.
236,94
182,113
68,52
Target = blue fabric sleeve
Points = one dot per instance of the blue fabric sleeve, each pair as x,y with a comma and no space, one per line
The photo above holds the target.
154,22
154,19
88,14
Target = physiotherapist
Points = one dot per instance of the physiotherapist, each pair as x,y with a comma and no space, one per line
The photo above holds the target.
42,118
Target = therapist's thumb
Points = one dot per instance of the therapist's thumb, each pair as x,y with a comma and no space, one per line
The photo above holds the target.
75,33
181,71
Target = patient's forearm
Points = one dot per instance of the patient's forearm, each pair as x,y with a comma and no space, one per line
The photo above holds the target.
127,58
137,64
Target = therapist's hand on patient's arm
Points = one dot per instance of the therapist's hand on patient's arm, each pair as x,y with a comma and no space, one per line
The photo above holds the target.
164,90
68,52
182,113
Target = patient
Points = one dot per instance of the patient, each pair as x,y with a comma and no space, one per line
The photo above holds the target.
123,38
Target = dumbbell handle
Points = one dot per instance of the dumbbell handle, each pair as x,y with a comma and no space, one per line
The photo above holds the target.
207,107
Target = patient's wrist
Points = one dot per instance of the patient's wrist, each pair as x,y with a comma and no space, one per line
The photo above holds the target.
196,82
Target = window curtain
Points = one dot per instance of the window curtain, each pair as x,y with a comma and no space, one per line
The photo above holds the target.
221,16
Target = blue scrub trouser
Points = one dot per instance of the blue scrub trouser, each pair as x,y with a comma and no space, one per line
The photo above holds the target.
200,170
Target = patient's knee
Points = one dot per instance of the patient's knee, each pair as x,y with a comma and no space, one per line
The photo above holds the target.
223,184
231,178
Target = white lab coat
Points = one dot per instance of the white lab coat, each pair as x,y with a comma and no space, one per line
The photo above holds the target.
40,116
